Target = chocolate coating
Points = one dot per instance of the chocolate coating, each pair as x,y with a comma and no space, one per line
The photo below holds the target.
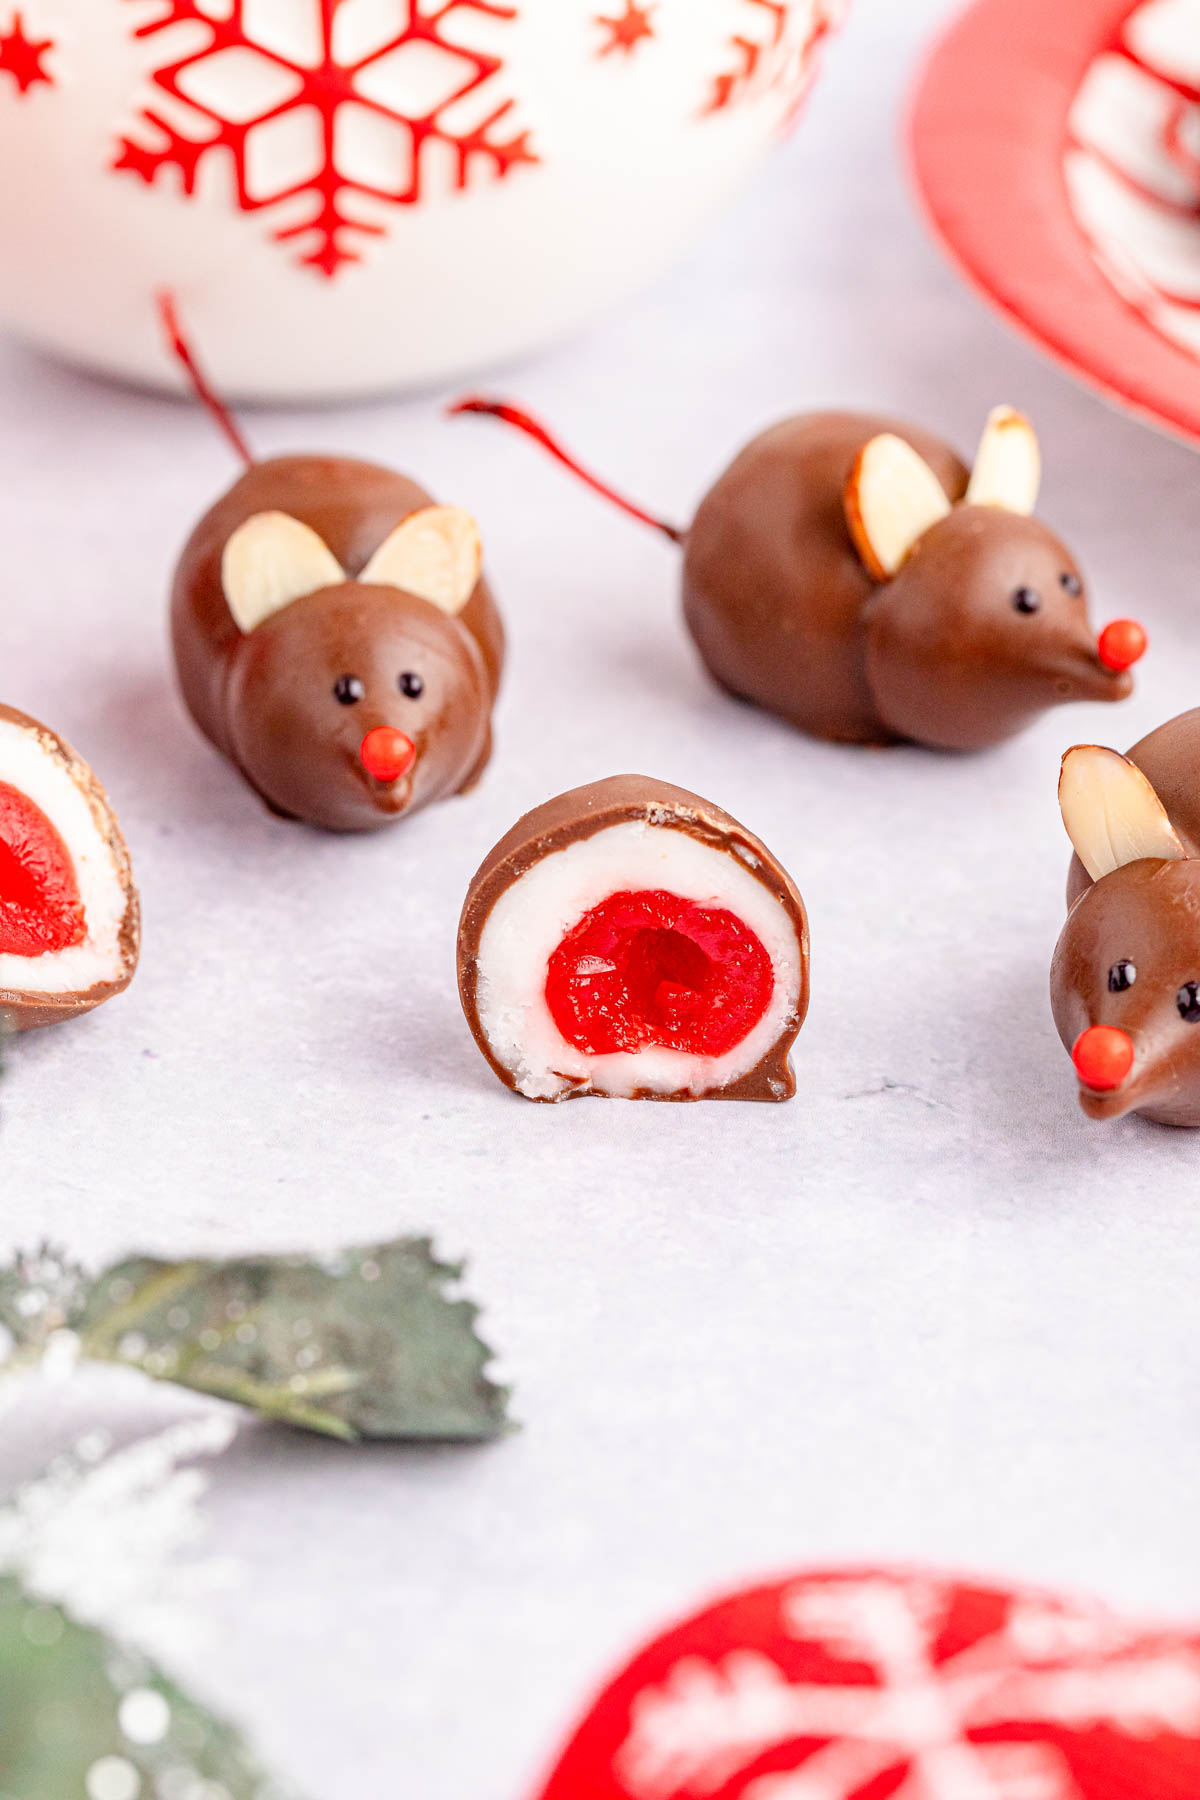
28,1009
1169,757
266,698
1147,913
786,615
579,814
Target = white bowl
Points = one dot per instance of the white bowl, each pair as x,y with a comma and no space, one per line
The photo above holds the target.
498,171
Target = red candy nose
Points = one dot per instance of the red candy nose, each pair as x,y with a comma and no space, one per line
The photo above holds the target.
387,754
1122,644
1103,1057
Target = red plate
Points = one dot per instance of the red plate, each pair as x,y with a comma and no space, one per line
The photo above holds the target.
876,1684
1083,227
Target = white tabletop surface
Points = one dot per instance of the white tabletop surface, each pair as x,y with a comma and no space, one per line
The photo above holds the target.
926,1311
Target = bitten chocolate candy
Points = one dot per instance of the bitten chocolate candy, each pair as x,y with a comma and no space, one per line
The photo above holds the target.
630,939
1125,981
70,924
851,575
335,640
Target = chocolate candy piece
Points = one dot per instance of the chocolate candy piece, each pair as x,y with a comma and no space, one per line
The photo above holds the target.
849,574
630,939
70,923
1126,971
335,640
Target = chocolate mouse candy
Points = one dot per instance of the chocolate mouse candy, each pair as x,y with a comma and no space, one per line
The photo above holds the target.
1125,981
70,924
630,939
851,575
335,641
334,637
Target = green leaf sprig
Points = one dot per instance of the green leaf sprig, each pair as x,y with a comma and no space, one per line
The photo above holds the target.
367,1343
83,1715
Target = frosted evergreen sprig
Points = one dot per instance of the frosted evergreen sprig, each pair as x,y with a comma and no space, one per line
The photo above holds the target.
367,1343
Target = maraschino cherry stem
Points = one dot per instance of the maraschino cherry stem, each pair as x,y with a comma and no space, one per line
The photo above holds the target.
512,415
201,386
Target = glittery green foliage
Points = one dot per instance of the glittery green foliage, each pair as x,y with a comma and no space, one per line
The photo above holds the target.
81,1715
41,1292
366,1343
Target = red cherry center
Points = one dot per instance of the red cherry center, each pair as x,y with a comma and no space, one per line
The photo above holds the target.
650,968
1103,1057
1122,644
40,907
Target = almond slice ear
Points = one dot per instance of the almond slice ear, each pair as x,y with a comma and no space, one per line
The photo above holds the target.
436,554
892,498
1112,814
272,560
1008,466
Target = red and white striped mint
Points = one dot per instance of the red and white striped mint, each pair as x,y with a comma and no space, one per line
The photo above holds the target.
1133,164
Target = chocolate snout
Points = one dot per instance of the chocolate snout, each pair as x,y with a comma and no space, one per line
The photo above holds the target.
1081,675
1098,668
1147,1089
1124,985
1106,1106
1130,1068
1104,1057
386,762
387,754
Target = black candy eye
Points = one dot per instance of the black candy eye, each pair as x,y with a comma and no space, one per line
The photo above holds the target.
1027,600
1071,583
348,690
411,685
1188,1002
1122,975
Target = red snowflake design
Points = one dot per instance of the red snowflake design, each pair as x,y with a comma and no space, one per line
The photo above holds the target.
627,32
329,90
765,59
884,1685
24,58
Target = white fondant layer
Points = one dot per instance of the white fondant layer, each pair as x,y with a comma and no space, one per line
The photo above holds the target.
26,764
530,920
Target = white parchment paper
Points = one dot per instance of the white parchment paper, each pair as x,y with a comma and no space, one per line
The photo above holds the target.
924,1312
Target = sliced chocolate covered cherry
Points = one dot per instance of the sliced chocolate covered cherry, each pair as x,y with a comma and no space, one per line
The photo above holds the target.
70,924
630,939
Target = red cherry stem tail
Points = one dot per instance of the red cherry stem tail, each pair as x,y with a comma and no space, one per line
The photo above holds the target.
201,387
512,415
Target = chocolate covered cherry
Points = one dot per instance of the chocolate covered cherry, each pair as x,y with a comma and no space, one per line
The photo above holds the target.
334,636
334,639
630,939
1125,981
70,925
851,575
